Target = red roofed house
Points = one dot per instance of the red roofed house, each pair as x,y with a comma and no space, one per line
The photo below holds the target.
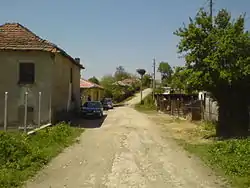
91,89
31,64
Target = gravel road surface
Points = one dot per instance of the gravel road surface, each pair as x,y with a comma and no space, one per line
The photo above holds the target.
127,150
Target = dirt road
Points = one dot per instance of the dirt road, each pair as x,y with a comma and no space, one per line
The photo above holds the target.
128,150
137,97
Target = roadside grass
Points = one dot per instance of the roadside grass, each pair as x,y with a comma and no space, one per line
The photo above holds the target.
229,158
21,156
126,100
147,106
129,98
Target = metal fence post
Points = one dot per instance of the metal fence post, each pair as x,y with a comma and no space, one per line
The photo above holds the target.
25,111
39,109
50,110
5,110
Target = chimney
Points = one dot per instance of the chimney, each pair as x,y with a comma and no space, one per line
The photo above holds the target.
77,59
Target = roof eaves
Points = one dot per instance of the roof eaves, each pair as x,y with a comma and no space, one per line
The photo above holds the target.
64,53
69,57
54,48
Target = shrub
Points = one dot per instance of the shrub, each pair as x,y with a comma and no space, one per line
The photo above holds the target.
21,155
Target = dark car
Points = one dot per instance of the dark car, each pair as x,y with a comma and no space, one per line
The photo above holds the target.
107,103
92,109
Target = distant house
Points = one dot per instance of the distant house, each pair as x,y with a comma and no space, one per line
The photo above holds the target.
130,81
127,82
91,89
31,64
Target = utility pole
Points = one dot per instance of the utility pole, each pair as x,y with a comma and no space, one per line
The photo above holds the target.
211,8
153,78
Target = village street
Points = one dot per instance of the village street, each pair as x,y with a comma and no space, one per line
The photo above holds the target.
127,150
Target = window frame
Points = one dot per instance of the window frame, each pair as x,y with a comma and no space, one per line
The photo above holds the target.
22,81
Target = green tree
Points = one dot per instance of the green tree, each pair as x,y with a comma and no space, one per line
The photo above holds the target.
107,82
166,72
121,73
179,79
218,60
146,80
94,80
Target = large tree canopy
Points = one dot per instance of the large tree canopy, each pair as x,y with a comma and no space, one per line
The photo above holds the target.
218,60
179,79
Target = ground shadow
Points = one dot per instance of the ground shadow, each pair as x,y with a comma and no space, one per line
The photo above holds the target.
119,105
88,123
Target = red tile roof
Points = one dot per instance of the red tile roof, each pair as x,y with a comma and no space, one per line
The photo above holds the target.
87,84
14,36
130,80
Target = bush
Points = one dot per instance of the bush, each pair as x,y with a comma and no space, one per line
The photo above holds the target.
120,93
21,155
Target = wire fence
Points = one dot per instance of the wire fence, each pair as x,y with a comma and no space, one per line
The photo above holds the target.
191,109
210,110
24,112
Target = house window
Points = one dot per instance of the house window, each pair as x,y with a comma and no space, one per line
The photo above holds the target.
26,73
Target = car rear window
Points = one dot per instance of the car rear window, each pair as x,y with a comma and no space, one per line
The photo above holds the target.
92,105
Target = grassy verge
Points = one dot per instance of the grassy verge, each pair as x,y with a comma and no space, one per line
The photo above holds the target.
21,156
126,100
228,157
148,105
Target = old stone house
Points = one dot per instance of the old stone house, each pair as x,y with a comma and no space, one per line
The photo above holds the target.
31,64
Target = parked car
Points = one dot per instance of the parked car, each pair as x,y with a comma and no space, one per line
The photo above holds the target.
107,103
92,109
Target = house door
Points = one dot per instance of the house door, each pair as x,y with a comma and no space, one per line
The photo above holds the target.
97,95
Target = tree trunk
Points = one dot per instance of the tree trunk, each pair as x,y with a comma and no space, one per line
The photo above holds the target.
233,120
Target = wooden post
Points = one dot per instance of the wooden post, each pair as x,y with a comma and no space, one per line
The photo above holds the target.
192,109
209,109
171,102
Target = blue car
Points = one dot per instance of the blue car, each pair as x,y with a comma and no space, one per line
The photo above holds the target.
107,103
92,109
